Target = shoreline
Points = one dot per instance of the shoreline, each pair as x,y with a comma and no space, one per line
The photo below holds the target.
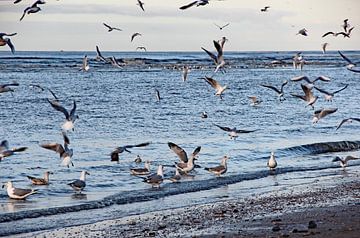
335,211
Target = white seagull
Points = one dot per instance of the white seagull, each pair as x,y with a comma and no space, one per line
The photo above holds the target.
318,114
217,86
219,58
79,184
70,117
272,162
18,193
85,65
329,95
156,179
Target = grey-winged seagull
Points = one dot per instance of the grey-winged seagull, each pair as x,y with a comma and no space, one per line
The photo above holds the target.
308,97
221,169
18,193
318,114
40,181
79,184
155,179
347,120
5,151
351,65
118,150
302,32
233,132
70,117
272,161
329,95
7,87
280,91
221,27
34,8
7,41
216,85
219,58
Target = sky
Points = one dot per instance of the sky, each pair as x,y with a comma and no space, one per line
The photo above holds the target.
76,25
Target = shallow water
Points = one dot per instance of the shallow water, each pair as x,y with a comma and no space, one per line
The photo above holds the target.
117,106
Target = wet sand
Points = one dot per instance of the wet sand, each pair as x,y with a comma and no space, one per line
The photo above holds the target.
331,211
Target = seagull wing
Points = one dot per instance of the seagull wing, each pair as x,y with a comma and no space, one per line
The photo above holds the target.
283,84
214,57
341,89
225,25
328,33
58,148
346,58
302,77
244,131
213,83
224,128
22,192
271,87
327,111
354,70
52,93
110,28
59,108
188,5
322,91
218,49
73,111
298,96
180,152
12,47
323,78
66,138
20,149
196,151
9,84
138,145
342,122
349,157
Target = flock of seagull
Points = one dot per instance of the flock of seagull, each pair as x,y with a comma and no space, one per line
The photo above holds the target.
186,162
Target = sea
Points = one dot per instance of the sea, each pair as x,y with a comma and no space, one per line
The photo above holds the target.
117,106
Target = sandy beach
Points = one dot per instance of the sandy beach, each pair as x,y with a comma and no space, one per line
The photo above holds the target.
331,211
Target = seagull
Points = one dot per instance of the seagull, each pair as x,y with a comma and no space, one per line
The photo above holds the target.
272,162
279,92
41,181
118,150
18,193
6,87
138,159
141,5
5,151
308,97
346,25
177,177
323,47
343,162
221,27
265,9
234,133
64,151
37,86
99,56
216,85
85,66
344,34
135,35
181,153
218,59
7,41
158,98
351,66
298,61
186,167
221,169
141,171
79,184
33,8
302,32
110,28
155,179
255,101
350,120
70,117
141,48
198,3
318,114
116,63
311,83
204,115
185,72
329,95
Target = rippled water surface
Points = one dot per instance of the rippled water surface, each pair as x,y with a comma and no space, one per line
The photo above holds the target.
117,106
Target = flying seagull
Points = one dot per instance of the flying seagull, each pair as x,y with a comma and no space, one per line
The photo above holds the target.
5,151
217,86
344,34
40,181
155,179
350,120
329,95
311,82
118,150
33,8
221,169
318,114
141,5
219,58
7,41
343,162
181,153
233,132
6,87
100,57
110,28
308,97
255,101
323,47
302,32
221,27
18,193
70,117
157,94
197,3
265,9
141,48
351,66
135,35
64,151
79,184
272,162
280,91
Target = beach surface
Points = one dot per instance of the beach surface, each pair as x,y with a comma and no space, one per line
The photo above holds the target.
327,210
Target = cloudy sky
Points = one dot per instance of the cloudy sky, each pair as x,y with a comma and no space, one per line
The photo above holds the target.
77,25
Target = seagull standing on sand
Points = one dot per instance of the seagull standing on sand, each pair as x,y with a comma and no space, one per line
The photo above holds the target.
221,169
7,41
217,86
156,179
5,151
79,184
110,28
351,66
329,95
343,162
279,92
135,35
33,8
318,114
115,154
272,162
18,193
70,117
64,151
350,120
41,181
85,65
6,87
233,133
141,5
